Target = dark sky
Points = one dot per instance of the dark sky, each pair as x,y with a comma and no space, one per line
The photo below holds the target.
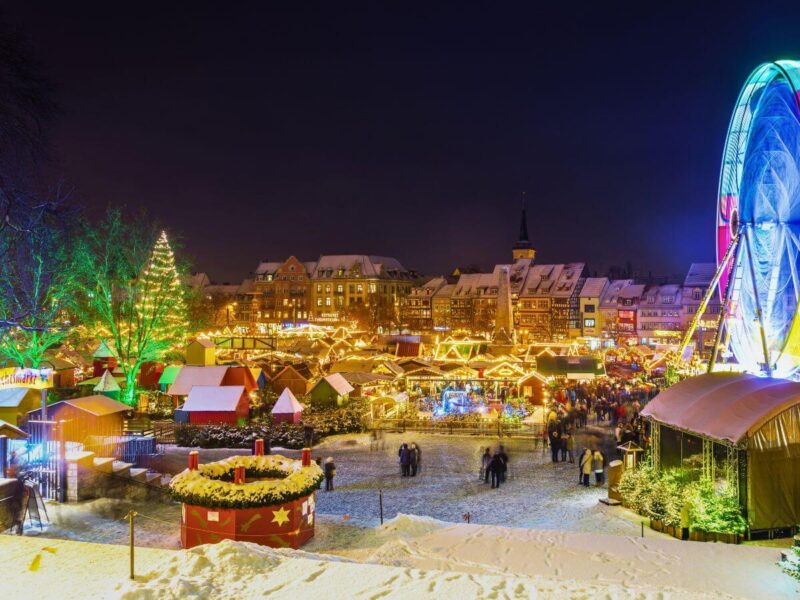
257,132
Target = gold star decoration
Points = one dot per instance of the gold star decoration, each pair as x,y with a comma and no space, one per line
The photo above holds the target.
280,516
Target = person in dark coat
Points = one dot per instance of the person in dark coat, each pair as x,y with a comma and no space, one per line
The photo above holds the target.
486,459
496,470
416,458
330,472
501,452
405,460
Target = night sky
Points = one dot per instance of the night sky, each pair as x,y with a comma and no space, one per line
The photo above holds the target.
254,133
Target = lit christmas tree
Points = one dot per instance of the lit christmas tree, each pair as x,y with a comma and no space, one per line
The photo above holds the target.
161,302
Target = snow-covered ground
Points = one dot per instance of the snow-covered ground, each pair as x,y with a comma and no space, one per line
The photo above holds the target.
538,494
408,557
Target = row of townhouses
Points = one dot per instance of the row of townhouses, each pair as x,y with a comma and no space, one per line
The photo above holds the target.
555,302
332,289
549,302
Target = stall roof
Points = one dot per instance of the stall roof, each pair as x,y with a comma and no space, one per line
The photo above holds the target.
287,404
191,376
723,406
12,431
98,405
12,397
214,398
169,374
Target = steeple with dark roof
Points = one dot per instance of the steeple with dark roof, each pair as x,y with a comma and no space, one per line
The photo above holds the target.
523,247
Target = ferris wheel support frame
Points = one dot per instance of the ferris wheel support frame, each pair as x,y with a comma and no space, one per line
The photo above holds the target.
759,312
712,289
723,311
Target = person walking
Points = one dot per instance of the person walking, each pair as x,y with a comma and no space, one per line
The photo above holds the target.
586,466
599,463
501,452
486,460
330,473
570,443
405,460
416,457
496,470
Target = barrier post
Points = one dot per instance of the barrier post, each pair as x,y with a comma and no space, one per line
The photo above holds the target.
259,448
194,460
131,515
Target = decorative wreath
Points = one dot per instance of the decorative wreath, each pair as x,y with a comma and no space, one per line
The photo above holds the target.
211,484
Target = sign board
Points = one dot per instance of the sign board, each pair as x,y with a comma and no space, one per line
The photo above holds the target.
36,379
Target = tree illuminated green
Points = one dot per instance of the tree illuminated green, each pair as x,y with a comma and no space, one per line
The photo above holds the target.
133,294
39,286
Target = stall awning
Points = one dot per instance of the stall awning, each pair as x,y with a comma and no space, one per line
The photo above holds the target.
723,406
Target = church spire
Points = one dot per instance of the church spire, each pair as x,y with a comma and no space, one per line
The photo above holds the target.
523,248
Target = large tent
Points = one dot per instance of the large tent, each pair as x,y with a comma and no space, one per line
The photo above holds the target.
742,426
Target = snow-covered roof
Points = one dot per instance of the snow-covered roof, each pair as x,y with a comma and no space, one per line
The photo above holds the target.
338,383
12,431
723,406
593,287
612,291
265,268
103,351
700,274
12,397
213,398
287,404
107,383
190,376
328,265
632,291
97,405
541,280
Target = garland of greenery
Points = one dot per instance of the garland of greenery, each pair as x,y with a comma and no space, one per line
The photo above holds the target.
210,486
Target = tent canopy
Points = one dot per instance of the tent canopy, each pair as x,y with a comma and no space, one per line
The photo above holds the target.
723,406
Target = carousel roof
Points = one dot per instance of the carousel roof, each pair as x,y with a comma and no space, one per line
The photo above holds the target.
723,406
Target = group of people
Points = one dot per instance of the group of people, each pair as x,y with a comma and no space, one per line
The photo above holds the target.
410,459
494,466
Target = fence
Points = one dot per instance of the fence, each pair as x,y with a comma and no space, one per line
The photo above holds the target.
126,448
44,459
450,427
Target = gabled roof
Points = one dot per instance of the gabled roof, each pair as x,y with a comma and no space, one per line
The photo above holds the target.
107,383
169,374
103,351
338,383
362,378
723,406
12,397
300,369
213,398
12,431
204,342
700,274
287,404
190,376
593,287
97,405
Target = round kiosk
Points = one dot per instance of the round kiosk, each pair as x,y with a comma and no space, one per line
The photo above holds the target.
266,500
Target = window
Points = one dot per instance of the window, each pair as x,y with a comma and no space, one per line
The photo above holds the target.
340,289
285,301
319,301
269,277
373,288
328,288
359,288
589,308
697,294
327,301
319,288
588,322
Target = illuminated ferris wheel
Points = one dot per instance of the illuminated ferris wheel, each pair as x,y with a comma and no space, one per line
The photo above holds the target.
758,225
